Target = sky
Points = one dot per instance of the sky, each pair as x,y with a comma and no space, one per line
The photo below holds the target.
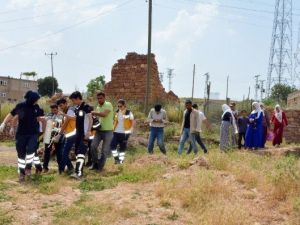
223,37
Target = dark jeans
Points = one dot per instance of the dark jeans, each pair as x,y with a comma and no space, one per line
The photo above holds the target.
199,141
26,146
106,138
47,154
156,133
67,144
241,137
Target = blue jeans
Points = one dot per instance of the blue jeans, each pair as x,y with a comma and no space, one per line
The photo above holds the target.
156,133
184,137
199,141
67,144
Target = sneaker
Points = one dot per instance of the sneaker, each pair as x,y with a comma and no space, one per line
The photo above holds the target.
117,161
21,178
75,176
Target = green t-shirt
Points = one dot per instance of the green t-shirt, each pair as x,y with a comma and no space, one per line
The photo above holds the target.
106,122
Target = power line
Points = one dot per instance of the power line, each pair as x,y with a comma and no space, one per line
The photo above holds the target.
52,69
63,29
49,14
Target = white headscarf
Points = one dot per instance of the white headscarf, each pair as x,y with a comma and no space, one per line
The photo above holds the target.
227,109
257,109
278,115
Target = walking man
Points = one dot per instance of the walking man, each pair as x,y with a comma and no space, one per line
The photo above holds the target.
158,119
103,110
190,127
202,118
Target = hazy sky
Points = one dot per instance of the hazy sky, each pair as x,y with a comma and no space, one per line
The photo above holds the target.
222,37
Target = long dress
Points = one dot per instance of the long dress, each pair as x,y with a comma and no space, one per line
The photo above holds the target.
278,128
255,133
225,132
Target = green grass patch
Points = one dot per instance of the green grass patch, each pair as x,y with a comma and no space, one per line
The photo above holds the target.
7,172
125,174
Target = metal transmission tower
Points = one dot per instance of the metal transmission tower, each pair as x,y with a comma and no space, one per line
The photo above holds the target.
281,59
170,76
297,58
161,77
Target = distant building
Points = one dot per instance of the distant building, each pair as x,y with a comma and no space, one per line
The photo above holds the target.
13,89
214,95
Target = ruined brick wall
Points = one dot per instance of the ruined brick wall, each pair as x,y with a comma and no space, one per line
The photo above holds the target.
293,101
292,131
128,80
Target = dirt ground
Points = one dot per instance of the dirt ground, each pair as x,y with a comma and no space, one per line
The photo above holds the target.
138,200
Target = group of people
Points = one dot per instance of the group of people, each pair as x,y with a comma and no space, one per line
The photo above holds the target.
253,129
100,131
95,132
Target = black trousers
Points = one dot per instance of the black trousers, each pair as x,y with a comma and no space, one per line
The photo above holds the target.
47,154
242,136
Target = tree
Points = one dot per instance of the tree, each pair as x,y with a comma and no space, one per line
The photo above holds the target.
280,92
29,74
95,85
45,86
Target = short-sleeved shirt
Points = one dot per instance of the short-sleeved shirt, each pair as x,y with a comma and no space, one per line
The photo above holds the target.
82,120
27,118
106,122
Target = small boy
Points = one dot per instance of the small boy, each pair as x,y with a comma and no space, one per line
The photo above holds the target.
243,121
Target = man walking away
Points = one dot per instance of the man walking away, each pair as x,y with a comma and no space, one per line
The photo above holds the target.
202,118
157,118
103,110
83,131
123,124
243,121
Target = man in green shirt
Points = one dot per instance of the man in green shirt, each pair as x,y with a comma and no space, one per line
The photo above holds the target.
103,110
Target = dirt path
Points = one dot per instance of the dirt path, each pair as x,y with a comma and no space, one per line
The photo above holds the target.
8,155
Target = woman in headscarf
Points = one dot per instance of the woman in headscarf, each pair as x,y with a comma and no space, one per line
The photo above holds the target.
255,133
279,120
228,120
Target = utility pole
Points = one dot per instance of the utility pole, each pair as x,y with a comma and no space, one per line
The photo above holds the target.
170,75
256,86
52,70
149,64
206,92
262,89
194,71
227,84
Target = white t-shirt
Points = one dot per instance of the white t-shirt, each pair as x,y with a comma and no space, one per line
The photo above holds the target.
120,126
202,118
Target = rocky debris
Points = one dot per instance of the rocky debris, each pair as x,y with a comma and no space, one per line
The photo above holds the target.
200,161
153,159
